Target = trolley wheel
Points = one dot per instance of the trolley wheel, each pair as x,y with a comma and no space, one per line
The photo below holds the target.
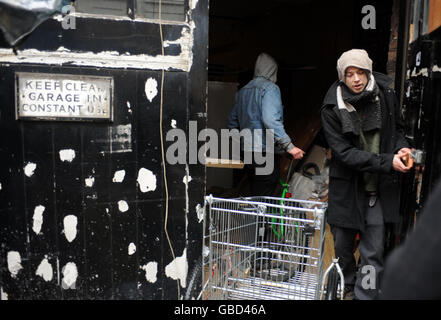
331,288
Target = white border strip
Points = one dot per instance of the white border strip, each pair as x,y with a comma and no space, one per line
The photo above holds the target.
104,59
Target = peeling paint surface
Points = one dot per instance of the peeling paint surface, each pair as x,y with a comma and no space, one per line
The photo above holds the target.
178,269
146,180
78,164
422,72
89,182
37,219
58,271
102,59
151,271
112,59
45,270
29,169
119,176
193,4
70,227
14,263
132,248
151,89
123,206
70,275
187,178
200,213
67,155
59,17
3,295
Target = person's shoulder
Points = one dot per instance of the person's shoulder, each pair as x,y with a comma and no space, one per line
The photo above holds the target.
327,111
384,82
267,84
330,99
259,83
385,85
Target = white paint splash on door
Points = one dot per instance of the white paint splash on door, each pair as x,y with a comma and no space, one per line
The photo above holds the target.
186,180
37,219
173,123
118,176
45,270
70,275
200,213
29,169
178,269
70,227
14,263
192,4
146,180
3,294
67,155
132,248
151,270
89,181
151,89
123,206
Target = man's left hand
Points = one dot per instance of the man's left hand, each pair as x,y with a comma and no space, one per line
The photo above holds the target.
404,151
297,153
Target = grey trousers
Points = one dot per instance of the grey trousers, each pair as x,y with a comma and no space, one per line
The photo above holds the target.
371,248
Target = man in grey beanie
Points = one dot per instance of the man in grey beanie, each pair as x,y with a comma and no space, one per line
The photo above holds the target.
258,106
362,125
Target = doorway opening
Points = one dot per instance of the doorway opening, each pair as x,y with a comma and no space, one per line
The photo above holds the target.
305,37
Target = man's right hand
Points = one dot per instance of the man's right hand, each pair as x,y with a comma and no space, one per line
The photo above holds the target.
296,153
398,164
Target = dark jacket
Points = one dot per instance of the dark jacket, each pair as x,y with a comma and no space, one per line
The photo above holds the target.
347,198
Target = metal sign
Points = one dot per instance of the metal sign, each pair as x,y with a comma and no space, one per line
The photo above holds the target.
63,97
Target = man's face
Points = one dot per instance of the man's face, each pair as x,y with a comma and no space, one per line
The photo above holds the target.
356,79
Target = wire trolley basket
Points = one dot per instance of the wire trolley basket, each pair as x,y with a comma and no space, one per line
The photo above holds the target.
263,248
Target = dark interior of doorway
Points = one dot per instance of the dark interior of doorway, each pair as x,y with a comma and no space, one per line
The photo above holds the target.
306,37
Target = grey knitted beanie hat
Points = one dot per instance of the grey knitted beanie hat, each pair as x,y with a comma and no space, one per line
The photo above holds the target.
353,58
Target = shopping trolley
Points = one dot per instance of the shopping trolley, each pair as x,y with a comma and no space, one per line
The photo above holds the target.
264,248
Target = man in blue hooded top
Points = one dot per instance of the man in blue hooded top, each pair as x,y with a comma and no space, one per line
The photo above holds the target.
258,107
